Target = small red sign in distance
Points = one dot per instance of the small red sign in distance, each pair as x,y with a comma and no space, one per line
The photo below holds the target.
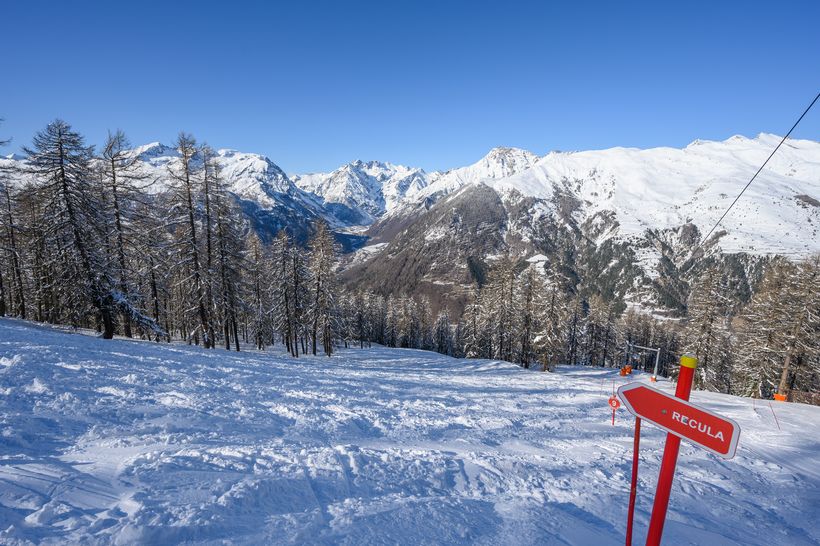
704,428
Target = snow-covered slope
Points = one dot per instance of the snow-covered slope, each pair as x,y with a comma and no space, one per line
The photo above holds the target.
664,188
132,442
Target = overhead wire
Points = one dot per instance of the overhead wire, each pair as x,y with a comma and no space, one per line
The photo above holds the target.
752,179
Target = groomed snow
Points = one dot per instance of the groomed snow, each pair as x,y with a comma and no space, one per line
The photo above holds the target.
133,442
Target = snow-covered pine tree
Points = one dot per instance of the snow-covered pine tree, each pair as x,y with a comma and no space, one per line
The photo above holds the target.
549,342
120,171
6,238
45,305
191,275
289,292
530,294
405,322
361,318
149,244
259,272
281,309
424,311
706,334
602,331
73,224
576,329
298,285
443,334
228,247
756,368
321,311
9,230
346,312
501,301
377,316
801,343
391,329
478,328
208,170
458,340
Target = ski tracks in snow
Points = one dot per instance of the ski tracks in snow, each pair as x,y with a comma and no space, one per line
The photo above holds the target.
133,442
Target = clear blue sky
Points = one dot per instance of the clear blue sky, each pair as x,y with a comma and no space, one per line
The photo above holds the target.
435,84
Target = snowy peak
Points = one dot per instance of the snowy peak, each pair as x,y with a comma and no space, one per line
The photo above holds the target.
253,173
503,162
154,150
364,191
498,164
361,191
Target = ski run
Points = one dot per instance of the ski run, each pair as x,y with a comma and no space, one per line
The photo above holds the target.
130,442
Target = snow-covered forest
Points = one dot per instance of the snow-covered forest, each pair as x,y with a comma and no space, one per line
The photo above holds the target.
89,241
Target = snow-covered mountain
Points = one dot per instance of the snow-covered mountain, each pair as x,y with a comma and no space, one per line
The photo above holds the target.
662,188
627,220
360,192
249,176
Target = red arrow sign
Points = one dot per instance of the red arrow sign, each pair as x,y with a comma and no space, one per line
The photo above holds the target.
701,427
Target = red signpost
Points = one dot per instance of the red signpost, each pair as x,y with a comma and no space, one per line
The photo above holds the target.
681,420
699,426
614,403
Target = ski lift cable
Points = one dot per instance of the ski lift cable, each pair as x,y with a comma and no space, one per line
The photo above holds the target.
749,183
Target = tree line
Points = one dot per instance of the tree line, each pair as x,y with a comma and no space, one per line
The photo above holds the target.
86,242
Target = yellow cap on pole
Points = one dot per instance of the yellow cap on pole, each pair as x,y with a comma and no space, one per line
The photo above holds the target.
689,361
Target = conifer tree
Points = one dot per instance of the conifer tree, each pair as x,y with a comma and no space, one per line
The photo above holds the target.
501,303
322,261
442,334
531,294
576,329
259,272
120,172
184,210
73,225
549,342
706,334
229,257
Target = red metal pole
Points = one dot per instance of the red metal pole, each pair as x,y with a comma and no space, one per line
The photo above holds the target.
633,490
670,457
